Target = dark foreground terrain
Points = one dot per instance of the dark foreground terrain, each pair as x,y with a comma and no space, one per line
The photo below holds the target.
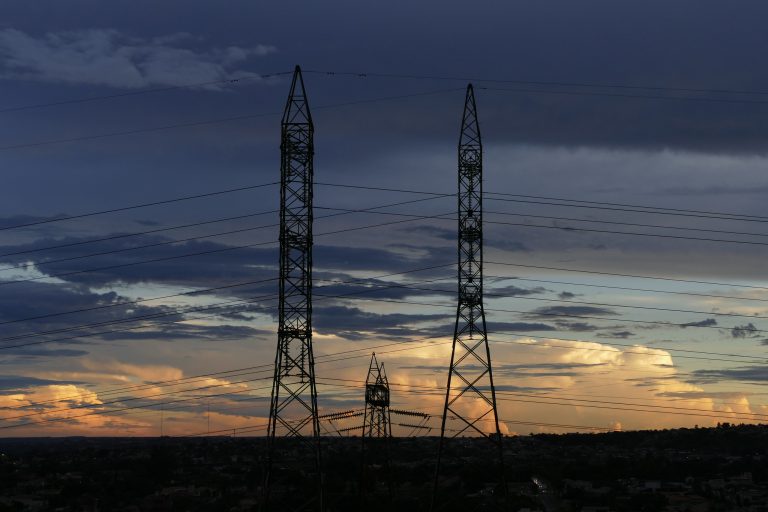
716,469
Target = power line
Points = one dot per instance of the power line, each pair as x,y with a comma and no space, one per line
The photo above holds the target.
230,248
630,233
609,287
553,314
136,248
738,216
138,301
630,210
637,276
206,122
664,211
636,96
667,409
365,349
175,312
533,82
136,233
633,224
143,205
229,303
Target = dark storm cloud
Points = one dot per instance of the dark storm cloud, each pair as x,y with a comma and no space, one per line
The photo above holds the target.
743,373
744,331
353,323
570,311
107,57
576,326
103,316
194,263
519,326
178,331
709,322
514,291
617,334
18,382
32,352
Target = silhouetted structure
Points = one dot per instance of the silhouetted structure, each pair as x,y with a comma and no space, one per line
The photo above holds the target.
470,376
293,408
377,420
377,427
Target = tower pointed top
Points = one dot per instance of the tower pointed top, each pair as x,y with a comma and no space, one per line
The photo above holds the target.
470,128
297,106
375,371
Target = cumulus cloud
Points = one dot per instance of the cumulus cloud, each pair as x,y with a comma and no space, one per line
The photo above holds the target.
110,58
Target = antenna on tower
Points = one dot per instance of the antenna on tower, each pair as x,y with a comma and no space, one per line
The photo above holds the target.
470,388
293,408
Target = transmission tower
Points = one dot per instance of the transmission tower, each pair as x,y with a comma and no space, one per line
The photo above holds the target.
293,408
377,421
377,425
470,376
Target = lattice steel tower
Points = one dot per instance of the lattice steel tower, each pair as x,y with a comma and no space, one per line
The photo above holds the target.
470,376
377,428
293,409
376,422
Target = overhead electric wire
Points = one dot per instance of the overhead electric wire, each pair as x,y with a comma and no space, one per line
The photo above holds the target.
216,121
631,224
321,361
667,409
624,95
135,233
221,385
486,193
629,233
230,303
417,76
142,205
68,418
629,288
192,309
636,276
553,314
628,210
736,216
224,249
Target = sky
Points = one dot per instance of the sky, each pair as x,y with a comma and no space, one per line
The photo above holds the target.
107,105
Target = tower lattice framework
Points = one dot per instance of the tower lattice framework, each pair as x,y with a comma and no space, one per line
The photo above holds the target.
293,409
470,376
376,422
377,425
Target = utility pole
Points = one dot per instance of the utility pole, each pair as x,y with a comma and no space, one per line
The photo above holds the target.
293,408
377,423
470,376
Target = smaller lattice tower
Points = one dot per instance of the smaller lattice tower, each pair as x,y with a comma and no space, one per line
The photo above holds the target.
377,430
376,422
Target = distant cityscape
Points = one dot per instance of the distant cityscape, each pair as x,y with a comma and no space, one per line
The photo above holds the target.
685,470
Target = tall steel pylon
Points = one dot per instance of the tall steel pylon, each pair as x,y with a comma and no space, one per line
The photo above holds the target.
293,409
377,423
470,388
